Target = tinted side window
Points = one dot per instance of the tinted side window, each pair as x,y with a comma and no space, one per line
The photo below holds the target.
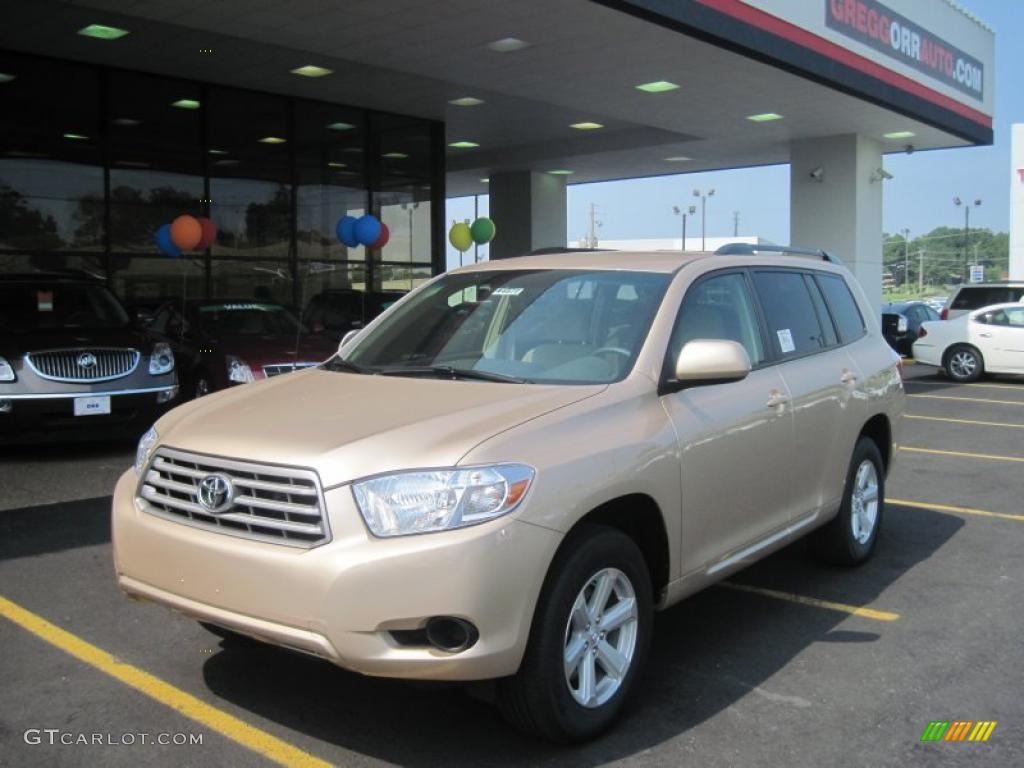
792,322
829,337
844,307
719,307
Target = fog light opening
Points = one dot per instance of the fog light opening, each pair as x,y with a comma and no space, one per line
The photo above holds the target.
450,634
6,405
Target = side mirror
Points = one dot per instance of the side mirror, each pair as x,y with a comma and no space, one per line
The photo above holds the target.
712,361
346,339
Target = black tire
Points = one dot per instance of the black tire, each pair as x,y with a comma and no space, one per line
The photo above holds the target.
538,698
964,363
841,541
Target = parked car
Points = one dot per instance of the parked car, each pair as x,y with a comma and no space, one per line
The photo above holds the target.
504,476
901,322
337,311
977,295
73,364
986,340
221,342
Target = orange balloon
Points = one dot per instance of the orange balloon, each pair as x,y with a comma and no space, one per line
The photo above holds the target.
186,232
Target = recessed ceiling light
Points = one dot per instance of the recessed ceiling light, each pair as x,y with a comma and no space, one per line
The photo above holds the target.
217,151
561,172
76,137
764,117
185,104
129,122
898,135
463,144
508,44
395,155
340,126
272,140
467,101
485,180
102,32
336,165
312,70
657,86
586,126
677,159
5,77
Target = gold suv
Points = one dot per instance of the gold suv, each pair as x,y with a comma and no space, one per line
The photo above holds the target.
505,474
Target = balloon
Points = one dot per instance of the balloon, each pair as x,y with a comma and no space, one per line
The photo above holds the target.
186,232
483,230
209,233
460,237
162,238
346,231
368,229
385,235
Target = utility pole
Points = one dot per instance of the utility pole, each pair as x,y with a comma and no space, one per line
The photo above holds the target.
906,255
703,214
594,224
920,271
735,223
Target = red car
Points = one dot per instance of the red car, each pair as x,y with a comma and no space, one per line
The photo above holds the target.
222,342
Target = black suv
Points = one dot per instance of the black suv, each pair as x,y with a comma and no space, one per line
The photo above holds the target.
73,363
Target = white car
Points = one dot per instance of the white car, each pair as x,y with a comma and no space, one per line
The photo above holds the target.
986,340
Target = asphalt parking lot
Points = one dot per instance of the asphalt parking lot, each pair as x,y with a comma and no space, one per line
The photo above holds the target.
793,664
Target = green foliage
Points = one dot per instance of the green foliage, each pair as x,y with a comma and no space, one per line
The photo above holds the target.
942,254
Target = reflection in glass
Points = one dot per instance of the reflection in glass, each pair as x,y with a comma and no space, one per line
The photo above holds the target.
261,280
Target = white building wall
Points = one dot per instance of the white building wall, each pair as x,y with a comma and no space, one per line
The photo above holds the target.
1017,202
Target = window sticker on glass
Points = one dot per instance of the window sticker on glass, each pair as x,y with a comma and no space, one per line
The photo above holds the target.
506,291
44,301
785,341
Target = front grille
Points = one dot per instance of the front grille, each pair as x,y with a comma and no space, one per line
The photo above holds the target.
283,505
83,365
276,369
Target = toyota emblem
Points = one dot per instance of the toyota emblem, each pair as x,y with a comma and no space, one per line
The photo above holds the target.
215,492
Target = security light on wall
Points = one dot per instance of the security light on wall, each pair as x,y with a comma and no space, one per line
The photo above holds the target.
880,174
818,174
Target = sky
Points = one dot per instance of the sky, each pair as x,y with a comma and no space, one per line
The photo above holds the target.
919,197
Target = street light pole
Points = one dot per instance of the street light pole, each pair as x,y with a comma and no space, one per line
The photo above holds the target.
683,214
703,214
967,228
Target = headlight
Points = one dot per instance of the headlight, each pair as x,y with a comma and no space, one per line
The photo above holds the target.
161,360
6,370
146,445
442,499
238,370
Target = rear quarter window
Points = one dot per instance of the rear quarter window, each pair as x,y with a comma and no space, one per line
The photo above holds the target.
976,298
843,307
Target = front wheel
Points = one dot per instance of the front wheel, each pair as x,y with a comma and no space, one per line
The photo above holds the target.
850,538
588,642
964,363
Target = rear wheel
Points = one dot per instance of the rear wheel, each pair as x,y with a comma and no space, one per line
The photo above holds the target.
588,642
850,538
964,363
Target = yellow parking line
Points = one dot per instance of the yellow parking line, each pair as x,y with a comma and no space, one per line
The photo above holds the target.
853,610
969,399
957,510
248,736
983,456
950,384
964,421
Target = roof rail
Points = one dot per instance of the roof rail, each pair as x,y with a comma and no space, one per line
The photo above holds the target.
749,249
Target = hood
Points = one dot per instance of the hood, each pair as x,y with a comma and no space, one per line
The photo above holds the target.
14,345
347,426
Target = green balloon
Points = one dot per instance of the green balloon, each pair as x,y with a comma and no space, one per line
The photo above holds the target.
483,230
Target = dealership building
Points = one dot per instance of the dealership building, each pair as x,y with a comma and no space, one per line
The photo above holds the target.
275,118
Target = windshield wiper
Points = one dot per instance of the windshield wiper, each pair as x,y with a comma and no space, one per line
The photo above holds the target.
454,373
340,364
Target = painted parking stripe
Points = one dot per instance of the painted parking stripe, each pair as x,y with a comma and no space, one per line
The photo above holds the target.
242,733
969,399
962,454
964,421
829,605
949,384
954,509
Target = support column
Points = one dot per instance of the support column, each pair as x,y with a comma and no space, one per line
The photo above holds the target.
839,208
529,211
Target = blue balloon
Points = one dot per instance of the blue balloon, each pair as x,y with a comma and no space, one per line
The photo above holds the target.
162,238
346,231
368,229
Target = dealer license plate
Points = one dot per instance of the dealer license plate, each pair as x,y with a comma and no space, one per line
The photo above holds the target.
92,406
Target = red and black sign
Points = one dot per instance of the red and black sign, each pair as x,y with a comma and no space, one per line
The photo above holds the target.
893,34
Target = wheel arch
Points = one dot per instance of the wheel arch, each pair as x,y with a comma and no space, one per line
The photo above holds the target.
879,430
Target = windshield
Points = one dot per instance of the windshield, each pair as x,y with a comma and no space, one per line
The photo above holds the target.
545,326
247,319
33,306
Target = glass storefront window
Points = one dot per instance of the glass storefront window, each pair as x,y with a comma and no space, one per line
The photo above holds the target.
145,282
249,279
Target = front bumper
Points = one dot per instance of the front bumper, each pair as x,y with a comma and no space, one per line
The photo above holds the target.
340,600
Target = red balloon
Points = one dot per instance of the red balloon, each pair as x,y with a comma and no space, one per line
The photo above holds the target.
209,233
186,232
385,235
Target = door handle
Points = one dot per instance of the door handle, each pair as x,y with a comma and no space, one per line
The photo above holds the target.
776,399
848,377
985,335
